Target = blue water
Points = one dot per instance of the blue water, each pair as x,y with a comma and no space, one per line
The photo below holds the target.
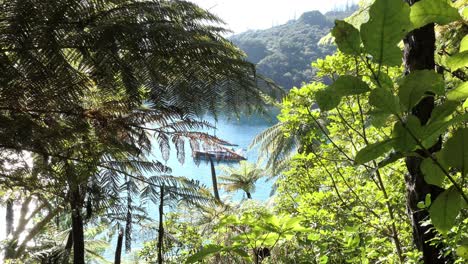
239,132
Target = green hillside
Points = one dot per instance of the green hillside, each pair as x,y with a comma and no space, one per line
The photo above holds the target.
284,53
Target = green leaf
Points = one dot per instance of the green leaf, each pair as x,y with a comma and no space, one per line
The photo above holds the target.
459,93
455,151
432,11
444,210
347,38
392,157
384,100
323,259
373,151
432,173
403,134
414,85
443,112
330,97
204,252
383,81
349,85
378,118
433,130
327,99
388,23
462,251
464,44
457,61
428,200
313,237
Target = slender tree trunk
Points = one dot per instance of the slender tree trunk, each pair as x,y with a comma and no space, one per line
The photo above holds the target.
161,227
118,250
9,217
419,55
77,227
249,196
11,244
128,222
214,180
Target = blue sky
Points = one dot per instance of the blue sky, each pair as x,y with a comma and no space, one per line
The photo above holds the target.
242,15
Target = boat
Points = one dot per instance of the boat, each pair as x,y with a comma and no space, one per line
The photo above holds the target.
223,154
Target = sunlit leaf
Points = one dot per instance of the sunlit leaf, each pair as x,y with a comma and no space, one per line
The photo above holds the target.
414,85
347,38
444,210
459,93
327,99
349,85
388,23
384,101
204,252
373,151
464,44
455,150
432,11
432,173
462,251
405,133
457,61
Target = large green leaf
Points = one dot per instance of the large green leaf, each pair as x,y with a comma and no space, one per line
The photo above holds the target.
204,252
384,100
327,99
432,173
405,133
373,151
413,87
444,210
330,97
455,150
457,61
462,251
349,85
347,38
459,93
464,44
388,23
432,11
434,129
443,112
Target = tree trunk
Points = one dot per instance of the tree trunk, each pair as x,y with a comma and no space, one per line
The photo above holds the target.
77,227
118,250
214,180
249,196
9,217
161,226
419,55
128,222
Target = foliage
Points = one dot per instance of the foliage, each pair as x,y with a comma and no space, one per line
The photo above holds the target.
378,119
241,178
283,53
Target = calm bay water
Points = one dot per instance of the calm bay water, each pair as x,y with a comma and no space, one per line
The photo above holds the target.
236,132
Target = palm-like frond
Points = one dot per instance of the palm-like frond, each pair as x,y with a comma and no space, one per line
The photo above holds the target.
275,147
242,178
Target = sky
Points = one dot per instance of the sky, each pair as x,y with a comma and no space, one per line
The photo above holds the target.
242,15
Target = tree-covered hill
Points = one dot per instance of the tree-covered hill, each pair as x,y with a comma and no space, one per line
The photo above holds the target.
284,53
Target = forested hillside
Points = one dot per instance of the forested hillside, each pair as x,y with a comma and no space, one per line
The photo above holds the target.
284,53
